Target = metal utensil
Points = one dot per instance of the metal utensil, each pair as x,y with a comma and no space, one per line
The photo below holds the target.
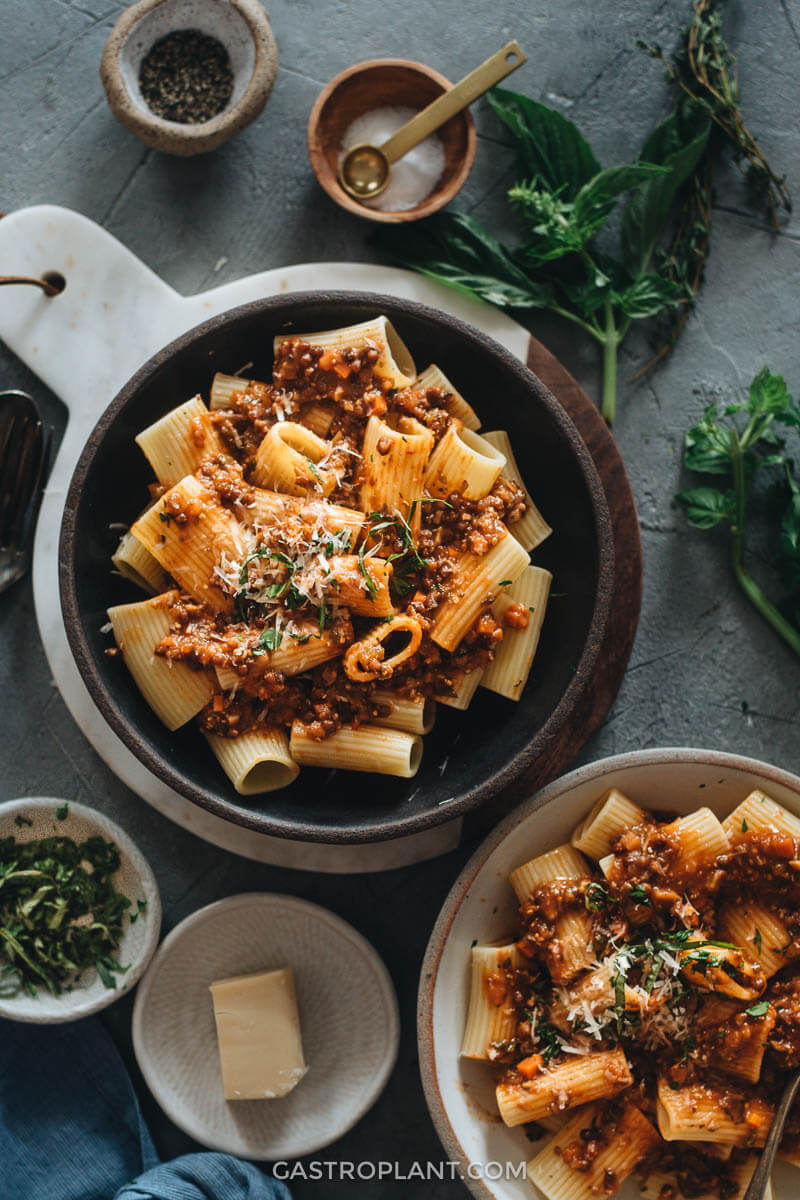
24,452
365,170
762,1172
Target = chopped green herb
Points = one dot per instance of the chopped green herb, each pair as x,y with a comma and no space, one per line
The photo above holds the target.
63,812
758,1010
595,897
165,517
638,895
757,940
312,468
60,913
738,445
268,639
505,582
744,825
372,587
19,821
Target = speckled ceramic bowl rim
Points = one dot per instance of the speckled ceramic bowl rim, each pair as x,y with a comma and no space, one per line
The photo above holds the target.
185,1119
74,1007
393,826
229,121
330,183
666,757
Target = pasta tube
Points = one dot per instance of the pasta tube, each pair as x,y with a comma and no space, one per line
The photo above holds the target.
531,529
393,464
580,1080
606,820
394,363
287,459
256,761
454,402
757,813
176,445
224,387
463,462
508,671
491,1016
368,748
475,584
191,552
137,564
174,691
415,716
464,689
700,1112
632,1139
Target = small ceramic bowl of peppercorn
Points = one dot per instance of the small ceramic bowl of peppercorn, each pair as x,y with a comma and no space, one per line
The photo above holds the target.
186,75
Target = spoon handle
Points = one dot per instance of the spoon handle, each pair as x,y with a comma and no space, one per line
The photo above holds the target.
761,1174
451,102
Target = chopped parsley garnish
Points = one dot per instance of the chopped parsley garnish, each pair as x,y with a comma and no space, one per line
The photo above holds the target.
372,587
744,824
268,639
19,821
757,940
63,811
312,468
758,1010
595,897
60,913
638,895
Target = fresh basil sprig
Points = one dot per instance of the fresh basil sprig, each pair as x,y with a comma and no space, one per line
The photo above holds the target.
565,200
738,444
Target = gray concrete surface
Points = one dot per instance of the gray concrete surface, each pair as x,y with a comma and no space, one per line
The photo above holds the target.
705,670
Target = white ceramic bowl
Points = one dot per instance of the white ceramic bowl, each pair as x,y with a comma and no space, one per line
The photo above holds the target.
134,879
481,905
348,1018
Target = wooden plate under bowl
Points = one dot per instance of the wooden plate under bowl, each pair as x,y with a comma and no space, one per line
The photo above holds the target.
387,83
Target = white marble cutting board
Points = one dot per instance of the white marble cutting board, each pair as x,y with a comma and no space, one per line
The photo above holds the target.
85,344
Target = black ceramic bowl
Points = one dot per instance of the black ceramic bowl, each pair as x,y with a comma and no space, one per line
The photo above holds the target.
469,757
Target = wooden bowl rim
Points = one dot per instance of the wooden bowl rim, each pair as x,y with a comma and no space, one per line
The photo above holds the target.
328,179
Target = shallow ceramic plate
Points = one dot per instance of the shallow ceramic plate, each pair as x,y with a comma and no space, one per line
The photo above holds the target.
134,879
348,1016
481,905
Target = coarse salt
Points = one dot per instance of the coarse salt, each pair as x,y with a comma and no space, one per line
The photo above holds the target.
415,175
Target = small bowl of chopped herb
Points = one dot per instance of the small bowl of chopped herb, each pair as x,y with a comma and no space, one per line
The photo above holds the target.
80,912
186,75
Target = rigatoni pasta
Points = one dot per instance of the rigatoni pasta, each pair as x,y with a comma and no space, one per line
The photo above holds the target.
669,1045
331,556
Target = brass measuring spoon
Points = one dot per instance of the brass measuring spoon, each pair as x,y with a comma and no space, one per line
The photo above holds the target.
365,170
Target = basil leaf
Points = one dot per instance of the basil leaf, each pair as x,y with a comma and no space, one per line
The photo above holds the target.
707,446
549,147
454,249
647,296
706,506
596,199
647,212
768,394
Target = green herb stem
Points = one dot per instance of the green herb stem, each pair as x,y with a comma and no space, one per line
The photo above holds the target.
611,340
738,526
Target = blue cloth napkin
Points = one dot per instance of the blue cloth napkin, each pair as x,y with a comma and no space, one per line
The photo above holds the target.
71,1129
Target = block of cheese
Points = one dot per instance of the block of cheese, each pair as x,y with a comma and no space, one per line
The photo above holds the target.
258,1031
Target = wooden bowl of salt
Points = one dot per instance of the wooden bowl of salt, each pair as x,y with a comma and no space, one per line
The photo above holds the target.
368,103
